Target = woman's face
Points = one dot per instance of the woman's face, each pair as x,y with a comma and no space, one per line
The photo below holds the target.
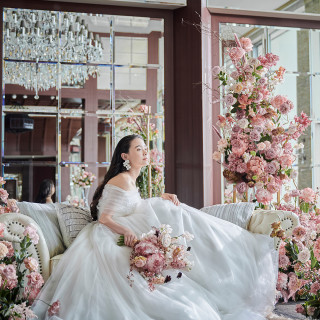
138,154
53,190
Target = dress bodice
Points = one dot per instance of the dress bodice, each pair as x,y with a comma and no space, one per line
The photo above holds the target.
117,201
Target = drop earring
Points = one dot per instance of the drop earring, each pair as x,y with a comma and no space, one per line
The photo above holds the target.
126,164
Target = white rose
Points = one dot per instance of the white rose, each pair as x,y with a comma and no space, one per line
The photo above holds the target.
246,157
165,239
313,235
304,255
188,236
243,123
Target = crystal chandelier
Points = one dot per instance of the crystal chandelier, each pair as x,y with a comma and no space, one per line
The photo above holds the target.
43,39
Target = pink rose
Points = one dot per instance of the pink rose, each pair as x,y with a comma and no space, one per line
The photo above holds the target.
242,187
230,100
4,195
295,193
273,187
238,147
178,264
31,294
35,280
256,165
315,287
31,232
269,60
3,250
242,167
258,120
270,154
255,136
31,264
222,144
307,195
282,281
261,146
12,205
216,156
244,100
9,272
9,247
263,196
270,168
299,233
246,44
140,261
286,107
234,74
54,308
277,101
300,309
155,263
283,261
145,248
236,53
216,70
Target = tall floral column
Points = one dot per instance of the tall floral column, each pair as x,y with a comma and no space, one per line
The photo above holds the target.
258,140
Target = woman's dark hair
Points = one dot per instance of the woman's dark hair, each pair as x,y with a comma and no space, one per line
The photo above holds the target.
44,190
115,168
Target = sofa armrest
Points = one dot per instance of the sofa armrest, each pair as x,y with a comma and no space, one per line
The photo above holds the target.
15,224
261,221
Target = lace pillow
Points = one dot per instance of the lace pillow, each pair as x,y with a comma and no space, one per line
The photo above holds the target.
237,213
45,216
72,220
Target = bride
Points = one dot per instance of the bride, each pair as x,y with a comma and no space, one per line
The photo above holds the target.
233,277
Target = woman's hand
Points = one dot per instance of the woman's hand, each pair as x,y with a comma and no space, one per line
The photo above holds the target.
171,197
129,238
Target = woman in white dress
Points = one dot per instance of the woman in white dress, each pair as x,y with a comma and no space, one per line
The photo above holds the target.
234,273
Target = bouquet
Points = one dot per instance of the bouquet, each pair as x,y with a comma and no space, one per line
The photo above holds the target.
84,179
257,144
16,266
158,251
299,254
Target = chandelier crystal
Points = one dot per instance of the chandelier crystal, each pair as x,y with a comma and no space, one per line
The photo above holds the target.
44,39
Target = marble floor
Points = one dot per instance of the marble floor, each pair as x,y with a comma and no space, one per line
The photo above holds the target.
288,310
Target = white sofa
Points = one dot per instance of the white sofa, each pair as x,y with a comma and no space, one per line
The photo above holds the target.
258,222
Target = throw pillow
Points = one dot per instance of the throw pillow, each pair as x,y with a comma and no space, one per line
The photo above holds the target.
45,216
72,220
237,213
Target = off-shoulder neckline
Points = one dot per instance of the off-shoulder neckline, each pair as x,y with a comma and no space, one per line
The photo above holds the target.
112,185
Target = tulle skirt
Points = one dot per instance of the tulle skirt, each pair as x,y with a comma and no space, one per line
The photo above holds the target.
233,278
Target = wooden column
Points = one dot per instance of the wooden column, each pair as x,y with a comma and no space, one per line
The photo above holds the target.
188,105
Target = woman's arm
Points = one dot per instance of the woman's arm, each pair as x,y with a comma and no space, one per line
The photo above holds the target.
171,197
129,236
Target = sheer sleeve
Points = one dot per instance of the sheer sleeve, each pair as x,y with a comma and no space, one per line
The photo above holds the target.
116,201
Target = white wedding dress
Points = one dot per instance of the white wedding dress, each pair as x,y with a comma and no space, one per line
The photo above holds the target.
233,278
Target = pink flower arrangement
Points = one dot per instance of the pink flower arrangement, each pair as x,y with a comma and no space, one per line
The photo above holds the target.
252,128
6,205
15,265
157,251
299,255
84,178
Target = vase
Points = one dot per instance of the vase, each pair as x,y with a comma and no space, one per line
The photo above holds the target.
85,195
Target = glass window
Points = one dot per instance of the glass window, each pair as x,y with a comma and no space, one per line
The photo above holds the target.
71,80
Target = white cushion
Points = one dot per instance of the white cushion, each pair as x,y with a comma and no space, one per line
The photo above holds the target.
72,220
237,213
44,214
